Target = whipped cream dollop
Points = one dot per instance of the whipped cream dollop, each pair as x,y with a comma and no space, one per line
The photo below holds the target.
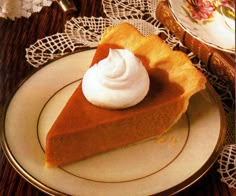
116,82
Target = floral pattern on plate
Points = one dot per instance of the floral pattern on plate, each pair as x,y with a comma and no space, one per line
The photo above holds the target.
210,21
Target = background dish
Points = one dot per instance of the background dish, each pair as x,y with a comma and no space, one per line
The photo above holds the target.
22,147
218,31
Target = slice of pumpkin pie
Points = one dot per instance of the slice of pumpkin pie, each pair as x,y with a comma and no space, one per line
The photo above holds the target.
136,88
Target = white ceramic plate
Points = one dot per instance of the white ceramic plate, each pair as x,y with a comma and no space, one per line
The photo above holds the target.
218,33
164,165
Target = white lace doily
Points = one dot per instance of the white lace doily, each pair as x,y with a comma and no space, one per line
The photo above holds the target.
84,32
13,9
227,163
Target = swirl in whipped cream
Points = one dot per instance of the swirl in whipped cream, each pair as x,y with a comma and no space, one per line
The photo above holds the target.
116,82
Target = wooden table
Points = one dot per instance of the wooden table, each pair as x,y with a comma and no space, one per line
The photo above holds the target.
15,37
